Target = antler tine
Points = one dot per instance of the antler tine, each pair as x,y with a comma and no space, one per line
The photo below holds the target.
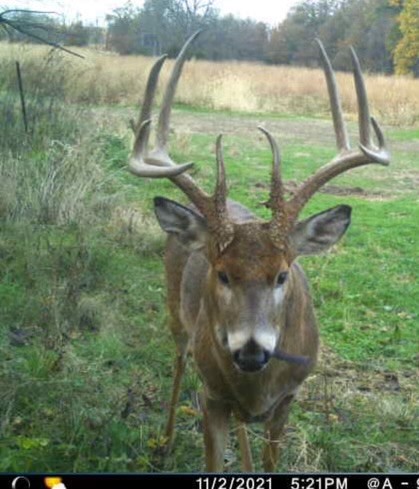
381,156
276,202
347,158
361,94
277,188
278,226
150,91
164,117
342,139
142,127
217,212
220,193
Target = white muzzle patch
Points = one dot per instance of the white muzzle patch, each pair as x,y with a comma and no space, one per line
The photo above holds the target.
265,339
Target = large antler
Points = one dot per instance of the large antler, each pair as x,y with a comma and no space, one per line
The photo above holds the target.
158,164
347,158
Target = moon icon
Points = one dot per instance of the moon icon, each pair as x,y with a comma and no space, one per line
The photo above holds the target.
21,483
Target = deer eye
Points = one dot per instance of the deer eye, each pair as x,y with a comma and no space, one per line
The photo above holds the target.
223,278
282,277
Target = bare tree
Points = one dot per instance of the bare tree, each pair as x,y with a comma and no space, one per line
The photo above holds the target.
15,20
197,8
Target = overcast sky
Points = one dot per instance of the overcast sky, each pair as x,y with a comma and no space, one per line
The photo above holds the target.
269,11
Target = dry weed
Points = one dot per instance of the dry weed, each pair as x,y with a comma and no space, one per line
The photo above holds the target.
105,78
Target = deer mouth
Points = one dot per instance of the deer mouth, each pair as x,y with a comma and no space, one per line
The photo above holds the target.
251,357
257,361
249,367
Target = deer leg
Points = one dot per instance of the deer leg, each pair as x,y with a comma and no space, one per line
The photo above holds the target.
273,431
246,454
216,418
179,370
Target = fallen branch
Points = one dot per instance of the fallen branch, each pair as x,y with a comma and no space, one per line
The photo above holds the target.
23,26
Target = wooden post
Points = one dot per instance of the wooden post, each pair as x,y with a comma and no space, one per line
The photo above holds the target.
22,96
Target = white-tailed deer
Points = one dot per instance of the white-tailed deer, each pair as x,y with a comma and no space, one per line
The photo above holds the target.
236,296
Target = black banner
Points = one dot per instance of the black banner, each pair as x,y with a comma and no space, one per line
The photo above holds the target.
210,481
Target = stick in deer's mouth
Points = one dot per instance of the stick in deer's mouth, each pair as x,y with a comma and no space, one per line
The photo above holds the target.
287,357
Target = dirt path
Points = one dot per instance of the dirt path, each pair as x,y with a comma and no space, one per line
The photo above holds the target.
286,130
317,131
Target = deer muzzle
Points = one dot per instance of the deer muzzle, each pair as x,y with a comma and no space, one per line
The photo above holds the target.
251,357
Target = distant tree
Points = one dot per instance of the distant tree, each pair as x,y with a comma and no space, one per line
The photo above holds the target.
379,37
159,26
292,41
124,34
191,15
79,34
367,25
406,53
166,23
76,34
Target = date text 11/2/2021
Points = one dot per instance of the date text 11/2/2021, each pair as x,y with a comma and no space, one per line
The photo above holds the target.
266,482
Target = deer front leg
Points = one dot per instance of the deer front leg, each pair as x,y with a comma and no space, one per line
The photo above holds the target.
246,454
180,364
273,432
216,421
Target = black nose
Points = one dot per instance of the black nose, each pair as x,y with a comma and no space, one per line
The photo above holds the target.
252,357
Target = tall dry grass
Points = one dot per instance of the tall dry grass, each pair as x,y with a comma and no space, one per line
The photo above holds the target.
58,187
106,78
49,174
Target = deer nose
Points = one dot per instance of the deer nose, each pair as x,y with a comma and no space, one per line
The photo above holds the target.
251,357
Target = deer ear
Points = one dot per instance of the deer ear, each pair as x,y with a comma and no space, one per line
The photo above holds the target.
186,224
321,231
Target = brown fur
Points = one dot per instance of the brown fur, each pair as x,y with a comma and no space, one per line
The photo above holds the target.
252,261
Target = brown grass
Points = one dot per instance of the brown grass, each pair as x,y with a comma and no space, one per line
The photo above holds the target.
106,78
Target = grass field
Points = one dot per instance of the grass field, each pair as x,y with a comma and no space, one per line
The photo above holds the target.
86,362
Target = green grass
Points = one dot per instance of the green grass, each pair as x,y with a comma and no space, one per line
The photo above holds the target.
405,134
86,365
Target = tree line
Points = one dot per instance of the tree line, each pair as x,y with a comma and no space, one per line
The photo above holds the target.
385,33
